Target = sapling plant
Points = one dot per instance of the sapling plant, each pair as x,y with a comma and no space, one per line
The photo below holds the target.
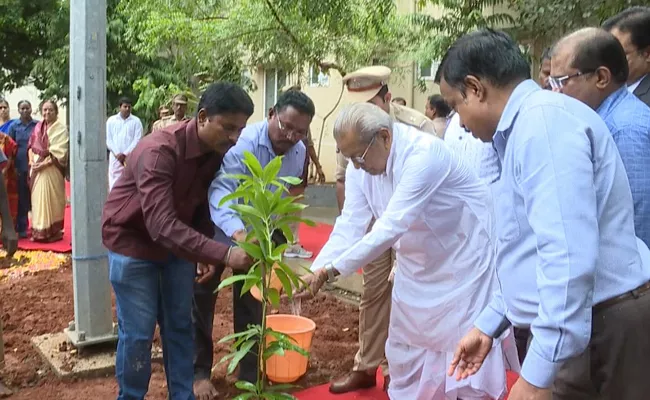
263,203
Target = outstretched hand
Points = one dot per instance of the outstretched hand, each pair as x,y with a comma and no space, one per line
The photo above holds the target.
470,354
312,284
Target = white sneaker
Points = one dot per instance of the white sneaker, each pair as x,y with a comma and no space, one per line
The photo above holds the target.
297,251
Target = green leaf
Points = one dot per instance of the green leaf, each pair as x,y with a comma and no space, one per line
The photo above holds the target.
239,354
236,195
277,396
253,165
271,170
286,231
286,282
252,250
232,279
238,177
291,180
274,297
248,334
246,210
247,386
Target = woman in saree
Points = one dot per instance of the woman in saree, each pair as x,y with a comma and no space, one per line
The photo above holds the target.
49,159
5,120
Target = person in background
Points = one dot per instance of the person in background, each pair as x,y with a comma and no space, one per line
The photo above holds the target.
544,69
48,146
370,85
179,106
10,245
632,28
163,112
281,134
400,100
10,149
436,214
295,250
123,132
568,262
157,229
437,111
590,65
21,132
5,119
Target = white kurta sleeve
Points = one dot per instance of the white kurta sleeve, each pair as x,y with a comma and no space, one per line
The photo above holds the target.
422,174
351,225
136,135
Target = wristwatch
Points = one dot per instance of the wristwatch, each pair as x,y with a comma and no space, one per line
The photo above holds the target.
329,268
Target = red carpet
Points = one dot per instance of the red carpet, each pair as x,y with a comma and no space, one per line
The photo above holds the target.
62,246
322,392
314,238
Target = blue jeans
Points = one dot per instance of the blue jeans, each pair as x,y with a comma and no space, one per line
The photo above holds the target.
147,292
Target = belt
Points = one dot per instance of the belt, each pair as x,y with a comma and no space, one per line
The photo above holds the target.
632,294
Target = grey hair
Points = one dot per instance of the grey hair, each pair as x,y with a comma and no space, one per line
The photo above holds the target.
364,120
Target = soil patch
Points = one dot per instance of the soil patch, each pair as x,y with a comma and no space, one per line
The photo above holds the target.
42,303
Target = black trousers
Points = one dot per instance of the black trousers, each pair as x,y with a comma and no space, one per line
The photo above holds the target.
246,310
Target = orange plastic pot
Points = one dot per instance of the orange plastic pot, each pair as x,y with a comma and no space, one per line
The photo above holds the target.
292,365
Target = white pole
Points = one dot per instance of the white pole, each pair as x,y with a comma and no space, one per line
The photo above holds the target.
93,320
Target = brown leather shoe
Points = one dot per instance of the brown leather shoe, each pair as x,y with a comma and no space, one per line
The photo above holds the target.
386,383
355,380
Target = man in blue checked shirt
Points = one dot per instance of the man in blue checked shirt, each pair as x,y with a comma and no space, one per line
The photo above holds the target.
590,65
569,264
279,135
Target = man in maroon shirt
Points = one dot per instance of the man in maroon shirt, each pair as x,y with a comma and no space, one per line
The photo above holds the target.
156,225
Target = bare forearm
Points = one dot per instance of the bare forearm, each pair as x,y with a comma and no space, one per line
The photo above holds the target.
313,156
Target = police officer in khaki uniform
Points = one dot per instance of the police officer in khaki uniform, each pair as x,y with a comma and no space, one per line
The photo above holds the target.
370,85
179,106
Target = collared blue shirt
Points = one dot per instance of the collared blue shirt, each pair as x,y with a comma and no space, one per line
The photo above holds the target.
628,119
564,226
254,139
20,133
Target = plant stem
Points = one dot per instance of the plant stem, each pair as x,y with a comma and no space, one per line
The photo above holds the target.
261,373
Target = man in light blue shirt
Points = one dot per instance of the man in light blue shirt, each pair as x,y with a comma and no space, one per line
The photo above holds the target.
568,260
279,135
590,65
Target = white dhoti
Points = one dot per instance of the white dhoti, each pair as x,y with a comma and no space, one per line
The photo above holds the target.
417,373
115,169
425,328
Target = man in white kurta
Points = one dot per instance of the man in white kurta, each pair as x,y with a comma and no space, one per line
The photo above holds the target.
436,213
123,131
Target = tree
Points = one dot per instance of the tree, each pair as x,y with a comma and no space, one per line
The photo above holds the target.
435,34
23,26
284,34
264,211
545,21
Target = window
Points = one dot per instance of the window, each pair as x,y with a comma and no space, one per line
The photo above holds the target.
428,70
274,80
318,77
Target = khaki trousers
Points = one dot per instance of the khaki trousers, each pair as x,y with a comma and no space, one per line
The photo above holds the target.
374,314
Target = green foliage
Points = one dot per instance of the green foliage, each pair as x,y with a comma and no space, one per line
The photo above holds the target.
263,210
548,20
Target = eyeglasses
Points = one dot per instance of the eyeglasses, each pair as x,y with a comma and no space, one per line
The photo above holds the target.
362,160
558,82
287,132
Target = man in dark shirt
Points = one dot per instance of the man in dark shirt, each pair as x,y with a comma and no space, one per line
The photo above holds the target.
156,225
20,132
